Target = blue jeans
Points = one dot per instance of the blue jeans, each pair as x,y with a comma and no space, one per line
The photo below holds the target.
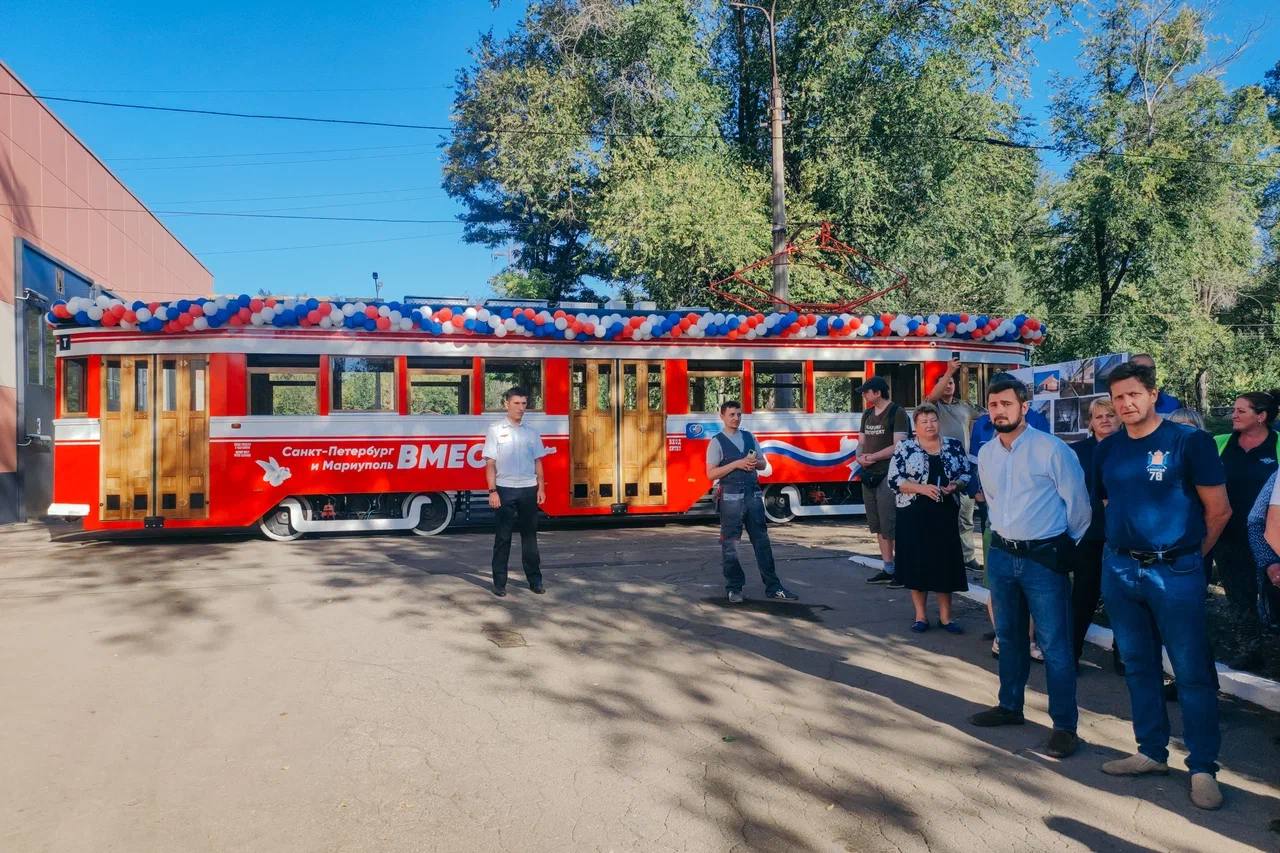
1022,589
1165,601
738,511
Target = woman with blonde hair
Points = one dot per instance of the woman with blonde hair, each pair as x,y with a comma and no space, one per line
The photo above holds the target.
927,474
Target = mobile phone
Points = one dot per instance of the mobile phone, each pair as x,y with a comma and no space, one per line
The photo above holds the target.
955,355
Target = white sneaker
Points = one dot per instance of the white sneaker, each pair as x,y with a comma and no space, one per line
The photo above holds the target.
1036,654
1138,765
1204,791
735,597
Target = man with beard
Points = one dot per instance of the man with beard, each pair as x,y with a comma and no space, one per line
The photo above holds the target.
1039,507
1167,505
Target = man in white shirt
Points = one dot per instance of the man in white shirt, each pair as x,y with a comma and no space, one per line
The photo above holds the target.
1039,505
513,453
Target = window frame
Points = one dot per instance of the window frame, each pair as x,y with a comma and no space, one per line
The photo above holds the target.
67,411
334,372
539,394
283,365
694,370
420,367
828,370
757,386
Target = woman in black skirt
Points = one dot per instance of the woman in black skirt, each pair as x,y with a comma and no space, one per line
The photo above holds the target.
927,473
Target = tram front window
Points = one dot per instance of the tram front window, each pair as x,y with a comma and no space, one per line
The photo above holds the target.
501,374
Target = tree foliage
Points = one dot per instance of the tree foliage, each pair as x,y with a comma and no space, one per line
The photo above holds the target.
623,146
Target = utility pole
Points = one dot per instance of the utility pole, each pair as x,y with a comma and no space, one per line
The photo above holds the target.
781,273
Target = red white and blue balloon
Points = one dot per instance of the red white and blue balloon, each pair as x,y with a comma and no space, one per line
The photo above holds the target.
199,315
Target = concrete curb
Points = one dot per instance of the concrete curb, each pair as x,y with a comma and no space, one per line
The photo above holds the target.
1233,682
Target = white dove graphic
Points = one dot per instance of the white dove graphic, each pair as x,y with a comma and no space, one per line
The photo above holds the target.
273,474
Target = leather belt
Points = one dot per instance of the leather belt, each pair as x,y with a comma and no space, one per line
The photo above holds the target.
1020,546
1149,558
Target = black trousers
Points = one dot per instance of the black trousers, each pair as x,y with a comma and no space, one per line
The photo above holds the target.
1237,572
1086,589
519,509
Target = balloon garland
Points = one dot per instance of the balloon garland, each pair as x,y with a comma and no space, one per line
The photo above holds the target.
198,315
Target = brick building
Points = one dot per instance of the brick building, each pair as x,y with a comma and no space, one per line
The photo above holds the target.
68,227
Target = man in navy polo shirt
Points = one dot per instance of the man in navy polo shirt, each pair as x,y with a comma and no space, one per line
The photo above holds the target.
1166,499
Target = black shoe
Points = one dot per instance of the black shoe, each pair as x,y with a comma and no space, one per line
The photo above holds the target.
782,594
500,591
1062,743
894,584
1171,691
880,577
997,716
537,588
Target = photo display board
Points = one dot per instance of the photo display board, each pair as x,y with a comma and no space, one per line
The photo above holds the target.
1062,392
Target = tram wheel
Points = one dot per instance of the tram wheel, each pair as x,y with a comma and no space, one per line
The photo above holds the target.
278,524
436,514
777,506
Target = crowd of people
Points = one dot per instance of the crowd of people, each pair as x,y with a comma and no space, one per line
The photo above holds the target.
1134,516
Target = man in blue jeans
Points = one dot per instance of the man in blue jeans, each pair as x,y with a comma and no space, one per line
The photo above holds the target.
1038,507
734,458
1166,506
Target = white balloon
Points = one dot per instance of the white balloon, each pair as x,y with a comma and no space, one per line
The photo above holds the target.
568,334
103,301
510,324
483,315
384,311
326,322
209,309
406,324
348,309
470,314
95,313
447,327
561,323
256,318
143,314
200,324
500,332
599,331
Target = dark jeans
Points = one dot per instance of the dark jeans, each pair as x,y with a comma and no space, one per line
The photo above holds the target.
1023,589
1233,558
738,511
1086,589
519,506
1165,601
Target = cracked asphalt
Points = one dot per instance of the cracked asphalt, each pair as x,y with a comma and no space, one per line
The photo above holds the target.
369,693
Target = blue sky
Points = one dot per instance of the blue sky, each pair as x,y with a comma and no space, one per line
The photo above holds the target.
382,61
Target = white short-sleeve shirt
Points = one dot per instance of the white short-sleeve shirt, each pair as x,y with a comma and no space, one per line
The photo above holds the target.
514,448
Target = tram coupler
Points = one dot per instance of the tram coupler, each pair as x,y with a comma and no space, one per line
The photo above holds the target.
152,522
619,509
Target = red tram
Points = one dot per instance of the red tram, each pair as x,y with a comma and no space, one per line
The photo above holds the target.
301,416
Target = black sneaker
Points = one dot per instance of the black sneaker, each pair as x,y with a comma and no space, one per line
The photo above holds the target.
537,588
500,591
782,594
894,583
880,577
997,716
1062,743
974,566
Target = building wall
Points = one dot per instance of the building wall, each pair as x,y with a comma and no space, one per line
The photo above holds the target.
58,198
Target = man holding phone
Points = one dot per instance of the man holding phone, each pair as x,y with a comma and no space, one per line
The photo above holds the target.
955,417
734,458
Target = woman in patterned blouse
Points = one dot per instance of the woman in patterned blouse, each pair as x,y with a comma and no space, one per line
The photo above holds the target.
927,473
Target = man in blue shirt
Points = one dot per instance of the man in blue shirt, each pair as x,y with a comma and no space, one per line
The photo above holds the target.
1039,506
1166,404
1166,506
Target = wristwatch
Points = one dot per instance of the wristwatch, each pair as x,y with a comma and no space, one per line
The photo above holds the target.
493,491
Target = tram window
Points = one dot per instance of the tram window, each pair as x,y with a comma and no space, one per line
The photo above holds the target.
713,382
501,374
113,385
835,386
169,385
440,386
141,386
75,372
363,384
654,378
604,386
197,385
779,385
903,379
283,385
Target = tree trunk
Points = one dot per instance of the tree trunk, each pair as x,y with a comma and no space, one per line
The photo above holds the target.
1202,390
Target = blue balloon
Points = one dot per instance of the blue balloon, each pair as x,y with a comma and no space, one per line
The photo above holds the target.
837,323
51,318
469,325
313,304
912,325
822,325
983,319
82,317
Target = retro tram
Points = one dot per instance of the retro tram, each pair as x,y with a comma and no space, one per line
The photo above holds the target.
301,416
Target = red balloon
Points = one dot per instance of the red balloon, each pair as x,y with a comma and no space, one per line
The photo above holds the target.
559,313
109,319
384,323
976,334
854,324
589,328
130,317
951,327
371,312
685,324
733,334
691,317
195,311
255,305
185,319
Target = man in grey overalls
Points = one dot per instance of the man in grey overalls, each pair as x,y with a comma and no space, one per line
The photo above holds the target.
734,458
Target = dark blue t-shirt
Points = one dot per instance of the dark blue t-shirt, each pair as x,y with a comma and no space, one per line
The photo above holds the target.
1150,486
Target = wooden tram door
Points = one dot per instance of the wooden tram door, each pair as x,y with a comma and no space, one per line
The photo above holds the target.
155,437
617,433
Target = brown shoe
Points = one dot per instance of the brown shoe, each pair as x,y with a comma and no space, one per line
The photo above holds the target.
1135,765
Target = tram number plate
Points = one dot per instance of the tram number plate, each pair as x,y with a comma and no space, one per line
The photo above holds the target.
675,443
